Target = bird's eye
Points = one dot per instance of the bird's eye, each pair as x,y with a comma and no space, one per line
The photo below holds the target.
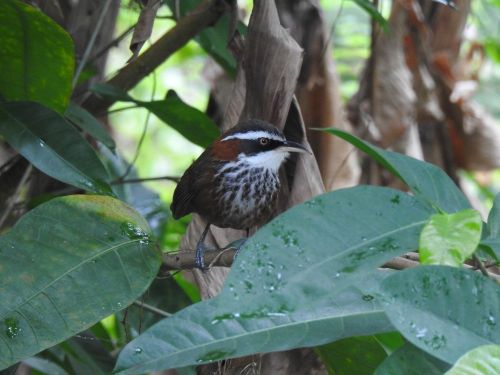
263,141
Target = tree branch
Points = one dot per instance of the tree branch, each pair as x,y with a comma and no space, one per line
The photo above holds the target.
205,15
185,260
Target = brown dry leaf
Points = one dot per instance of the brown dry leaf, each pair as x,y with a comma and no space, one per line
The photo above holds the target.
384,107
318,92
144,27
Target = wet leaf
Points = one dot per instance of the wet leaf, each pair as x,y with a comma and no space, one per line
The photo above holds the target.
66,265
52,145
426,304
36,57
304,279
429,183
484,360
410,360
450,239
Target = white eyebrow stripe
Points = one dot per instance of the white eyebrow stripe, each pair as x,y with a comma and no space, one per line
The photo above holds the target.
254,135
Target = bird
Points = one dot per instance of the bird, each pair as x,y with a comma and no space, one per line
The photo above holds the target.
235,182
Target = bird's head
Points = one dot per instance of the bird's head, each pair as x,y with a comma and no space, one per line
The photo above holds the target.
257,143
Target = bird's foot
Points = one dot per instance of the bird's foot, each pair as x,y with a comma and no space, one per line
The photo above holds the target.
199,259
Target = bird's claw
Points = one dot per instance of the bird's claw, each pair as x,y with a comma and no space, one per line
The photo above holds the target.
199,259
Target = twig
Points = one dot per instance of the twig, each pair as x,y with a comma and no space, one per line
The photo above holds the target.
205,15
481,266
152,309
400,263
91,42
13,198
139,180
220,255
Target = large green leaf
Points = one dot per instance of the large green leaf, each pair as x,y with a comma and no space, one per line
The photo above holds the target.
449,239
426,304
287,287
353,355
36,57
429,183
190,122
67,264
484,360
52,145
410,360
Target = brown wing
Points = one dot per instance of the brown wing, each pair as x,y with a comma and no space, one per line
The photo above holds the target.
189,187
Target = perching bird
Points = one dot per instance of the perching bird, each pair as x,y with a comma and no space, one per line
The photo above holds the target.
234,183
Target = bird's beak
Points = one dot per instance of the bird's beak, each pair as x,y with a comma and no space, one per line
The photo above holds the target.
290,146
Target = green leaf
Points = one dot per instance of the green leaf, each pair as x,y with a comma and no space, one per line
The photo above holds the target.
426,304
354,355
492,48
193,124
52,145
36,58
429,183
410,360
112,92
45,366
66,265
89,124
484,360
390,341
491,238
205,333
450,239
304,279
373,12
493,224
